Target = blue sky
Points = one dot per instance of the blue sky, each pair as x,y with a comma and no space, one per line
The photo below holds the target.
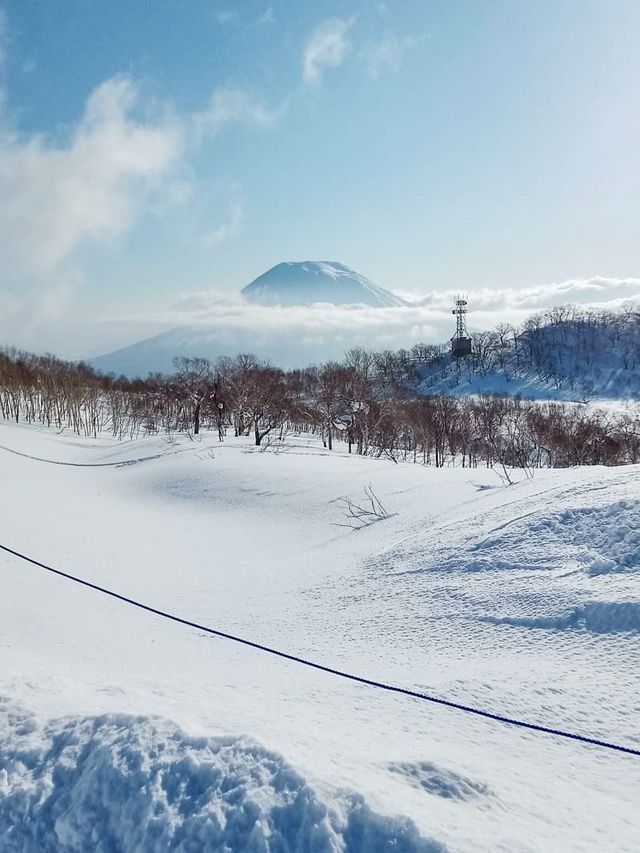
151,150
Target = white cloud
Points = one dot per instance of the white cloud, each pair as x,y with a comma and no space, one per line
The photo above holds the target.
55,197
59,195
297,335
596,291
232,106
326,48
24,311
229,228
294,336
385,54
118,160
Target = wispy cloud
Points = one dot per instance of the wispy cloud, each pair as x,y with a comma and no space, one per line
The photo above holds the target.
384,54
596,291
327,48
226,16
233,106
121,157
229,228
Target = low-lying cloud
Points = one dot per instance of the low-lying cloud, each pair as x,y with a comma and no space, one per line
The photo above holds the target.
210,324
595,291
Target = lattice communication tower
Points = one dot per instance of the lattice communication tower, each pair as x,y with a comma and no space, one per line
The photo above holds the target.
460,342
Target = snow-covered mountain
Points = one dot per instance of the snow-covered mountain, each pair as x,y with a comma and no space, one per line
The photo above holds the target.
288,285
156,354
309,282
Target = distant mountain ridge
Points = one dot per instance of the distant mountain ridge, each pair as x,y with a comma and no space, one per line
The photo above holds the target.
309,282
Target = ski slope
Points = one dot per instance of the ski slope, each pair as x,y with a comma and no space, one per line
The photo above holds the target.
121,731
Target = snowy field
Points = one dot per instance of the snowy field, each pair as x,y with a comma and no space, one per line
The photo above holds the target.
122,731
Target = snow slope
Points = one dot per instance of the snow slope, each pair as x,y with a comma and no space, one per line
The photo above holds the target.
308,282
119,730
587,357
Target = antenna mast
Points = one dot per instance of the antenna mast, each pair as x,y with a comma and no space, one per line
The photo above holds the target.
460,342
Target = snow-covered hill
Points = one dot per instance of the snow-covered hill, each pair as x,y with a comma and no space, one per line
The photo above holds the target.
309,282
118,729
562,355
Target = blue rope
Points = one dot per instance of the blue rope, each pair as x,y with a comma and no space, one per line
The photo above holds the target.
390,688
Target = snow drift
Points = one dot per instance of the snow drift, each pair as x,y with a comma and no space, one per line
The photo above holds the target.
118,782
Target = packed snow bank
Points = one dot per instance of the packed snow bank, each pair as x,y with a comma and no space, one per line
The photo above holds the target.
119,782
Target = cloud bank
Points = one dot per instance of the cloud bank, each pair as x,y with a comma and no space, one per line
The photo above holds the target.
209,324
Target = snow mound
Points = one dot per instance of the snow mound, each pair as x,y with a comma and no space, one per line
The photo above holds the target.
595,540
118,782
598,617
439,780
608,536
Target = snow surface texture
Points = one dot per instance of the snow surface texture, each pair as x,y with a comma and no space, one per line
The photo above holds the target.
576,360
118,782
309,282
520,600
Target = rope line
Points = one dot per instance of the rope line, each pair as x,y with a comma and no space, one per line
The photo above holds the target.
380,685
81,464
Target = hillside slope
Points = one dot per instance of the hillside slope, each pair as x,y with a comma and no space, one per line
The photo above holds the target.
521,600
555,356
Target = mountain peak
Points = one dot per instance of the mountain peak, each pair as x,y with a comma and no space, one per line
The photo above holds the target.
307,282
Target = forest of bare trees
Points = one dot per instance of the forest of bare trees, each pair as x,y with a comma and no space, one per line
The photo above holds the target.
584,352
369,402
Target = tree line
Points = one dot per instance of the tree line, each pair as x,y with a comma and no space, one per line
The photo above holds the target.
369,402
